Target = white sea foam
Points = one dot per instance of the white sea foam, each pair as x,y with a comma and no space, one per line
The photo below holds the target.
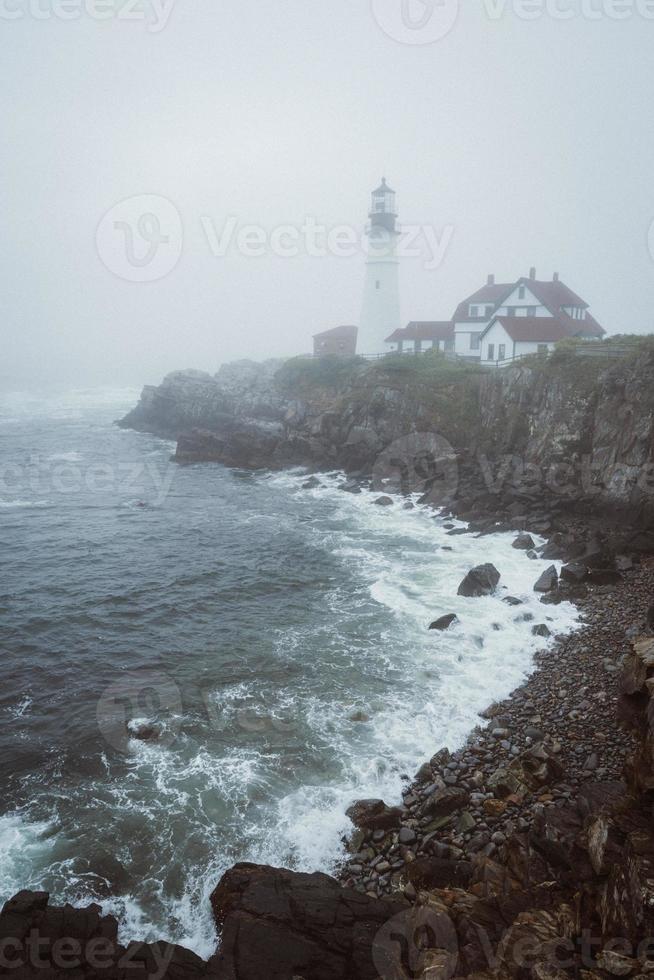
23,849
438,682
19,709
21,504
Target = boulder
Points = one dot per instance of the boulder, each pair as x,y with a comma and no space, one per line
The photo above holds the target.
480,581
278,924
445,622
574,572
444,802
548,581
524,542
312,483
541,630
374,815
512,601
384,502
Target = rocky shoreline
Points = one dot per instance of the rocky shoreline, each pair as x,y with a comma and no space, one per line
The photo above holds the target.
553,734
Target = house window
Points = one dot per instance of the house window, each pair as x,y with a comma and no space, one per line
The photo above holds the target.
531,311
543,348
378,284
510,311
489,311
474,341
522,292
417,346
491,352
474,311
501,352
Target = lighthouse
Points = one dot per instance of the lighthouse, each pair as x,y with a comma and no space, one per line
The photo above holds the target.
380,314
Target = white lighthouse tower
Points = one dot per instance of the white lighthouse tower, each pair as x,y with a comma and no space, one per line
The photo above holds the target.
380,314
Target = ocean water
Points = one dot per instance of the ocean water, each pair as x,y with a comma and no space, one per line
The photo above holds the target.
274,639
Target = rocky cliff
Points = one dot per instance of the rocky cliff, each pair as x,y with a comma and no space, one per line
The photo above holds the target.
571,431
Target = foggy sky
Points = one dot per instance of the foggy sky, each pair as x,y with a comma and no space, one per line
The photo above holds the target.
531,139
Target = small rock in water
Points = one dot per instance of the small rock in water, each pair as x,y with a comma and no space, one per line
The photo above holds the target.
480,581
548,581
524,542
311,483
445,622
384,502
541,630
512,601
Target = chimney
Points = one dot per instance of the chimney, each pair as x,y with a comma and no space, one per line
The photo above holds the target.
491,280
532,272
556,277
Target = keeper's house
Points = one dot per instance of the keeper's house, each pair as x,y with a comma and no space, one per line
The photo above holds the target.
502,321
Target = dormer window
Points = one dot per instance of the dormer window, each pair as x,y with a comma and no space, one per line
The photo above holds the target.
474,311
522,292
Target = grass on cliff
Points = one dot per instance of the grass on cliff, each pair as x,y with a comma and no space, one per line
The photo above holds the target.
320,372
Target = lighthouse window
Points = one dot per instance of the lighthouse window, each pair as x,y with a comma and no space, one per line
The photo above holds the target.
378,284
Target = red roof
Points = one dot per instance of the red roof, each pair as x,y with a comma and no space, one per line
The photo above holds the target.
488,295
345,332
424,330
553,295
537,329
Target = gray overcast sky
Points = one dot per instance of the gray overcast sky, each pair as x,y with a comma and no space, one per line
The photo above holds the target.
532,140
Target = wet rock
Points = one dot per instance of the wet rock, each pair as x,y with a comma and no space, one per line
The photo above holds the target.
480,581
524,542
312,483
384,502
278,924
548,581
512,601
574,573
445,622
374,815
541,630
444,802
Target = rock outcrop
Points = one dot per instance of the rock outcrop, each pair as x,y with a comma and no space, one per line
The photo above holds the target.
568,433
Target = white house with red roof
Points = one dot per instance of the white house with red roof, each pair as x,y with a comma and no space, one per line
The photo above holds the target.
504,321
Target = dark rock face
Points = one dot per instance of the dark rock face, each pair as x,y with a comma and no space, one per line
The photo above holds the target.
548,581
39,940
445,622
574,572
482,580
374,815
277,925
